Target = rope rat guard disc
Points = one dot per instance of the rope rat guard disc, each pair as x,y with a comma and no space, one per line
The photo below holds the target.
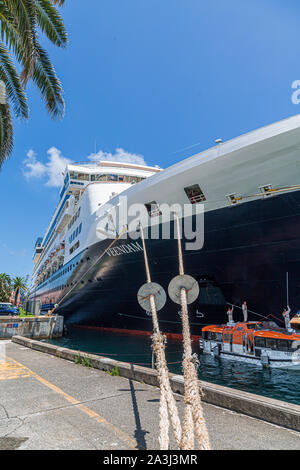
148,289
183,281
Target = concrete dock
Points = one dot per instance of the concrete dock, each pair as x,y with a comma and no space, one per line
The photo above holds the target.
50,403
31,327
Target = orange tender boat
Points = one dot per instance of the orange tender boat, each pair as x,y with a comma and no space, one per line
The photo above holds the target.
253,342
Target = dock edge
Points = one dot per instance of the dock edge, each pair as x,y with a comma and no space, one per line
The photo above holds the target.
273,411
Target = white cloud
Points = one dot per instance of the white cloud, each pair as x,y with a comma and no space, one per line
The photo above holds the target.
55,167
52,170
120,155
34,168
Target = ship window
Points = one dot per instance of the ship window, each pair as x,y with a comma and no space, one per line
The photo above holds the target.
219,337
79,176
195,194
112,177
152,208
101,177
74,247
83,176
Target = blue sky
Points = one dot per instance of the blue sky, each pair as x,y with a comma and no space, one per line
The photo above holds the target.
150,77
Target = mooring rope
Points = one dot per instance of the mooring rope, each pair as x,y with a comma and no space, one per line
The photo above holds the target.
167,400
193,413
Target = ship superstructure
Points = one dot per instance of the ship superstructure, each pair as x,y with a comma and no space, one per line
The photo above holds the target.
86,187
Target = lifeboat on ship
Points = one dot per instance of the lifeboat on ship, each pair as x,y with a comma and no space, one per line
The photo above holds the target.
259,343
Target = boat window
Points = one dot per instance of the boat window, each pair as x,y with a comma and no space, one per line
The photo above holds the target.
219,337
271,343
293,345
260,342
195,194
282,345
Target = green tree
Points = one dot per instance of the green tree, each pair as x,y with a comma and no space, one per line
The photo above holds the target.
19,284
5,287
21,22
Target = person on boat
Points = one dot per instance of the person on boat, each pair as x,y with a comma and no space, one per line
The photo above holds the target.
245,311
230,314
287,319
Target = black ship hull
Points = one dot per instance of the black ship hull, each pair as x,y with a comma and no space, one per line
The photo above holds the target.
249,252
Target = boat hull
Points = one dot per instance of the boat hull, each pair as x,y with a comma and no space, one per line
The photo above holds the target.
248,251
256,361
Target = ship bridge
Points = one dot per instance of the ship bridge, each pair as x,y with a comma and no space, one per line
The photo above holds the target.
81,174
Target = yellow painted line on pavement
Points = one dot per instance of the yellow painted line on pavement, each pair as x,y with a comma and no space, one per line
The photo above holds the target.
92,414
11,371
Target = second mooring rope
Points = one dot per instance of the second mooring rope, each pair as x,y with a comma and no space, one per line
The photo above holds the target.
167,400
193,413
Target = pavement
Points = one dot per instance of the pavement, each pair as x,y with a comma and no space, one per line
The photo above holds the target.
49,403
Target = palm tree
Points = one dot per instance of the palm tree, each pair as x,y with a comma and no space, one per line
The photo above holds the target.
19,284
5,287
21,22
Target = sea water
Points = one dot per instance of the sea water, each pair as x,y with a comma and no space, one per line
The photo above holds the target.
281,384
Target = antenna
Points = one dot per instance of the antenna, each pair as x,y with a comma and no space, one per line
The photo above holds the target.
287,289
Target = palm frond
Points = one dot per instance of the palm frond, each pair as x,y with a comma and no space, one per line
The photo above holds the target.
48,83
58,2
15,91
9,28
6,133
51,23
19,23
24,14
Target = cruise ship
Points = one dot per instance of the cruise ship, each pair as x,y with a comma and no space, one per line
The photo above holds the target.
249,192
